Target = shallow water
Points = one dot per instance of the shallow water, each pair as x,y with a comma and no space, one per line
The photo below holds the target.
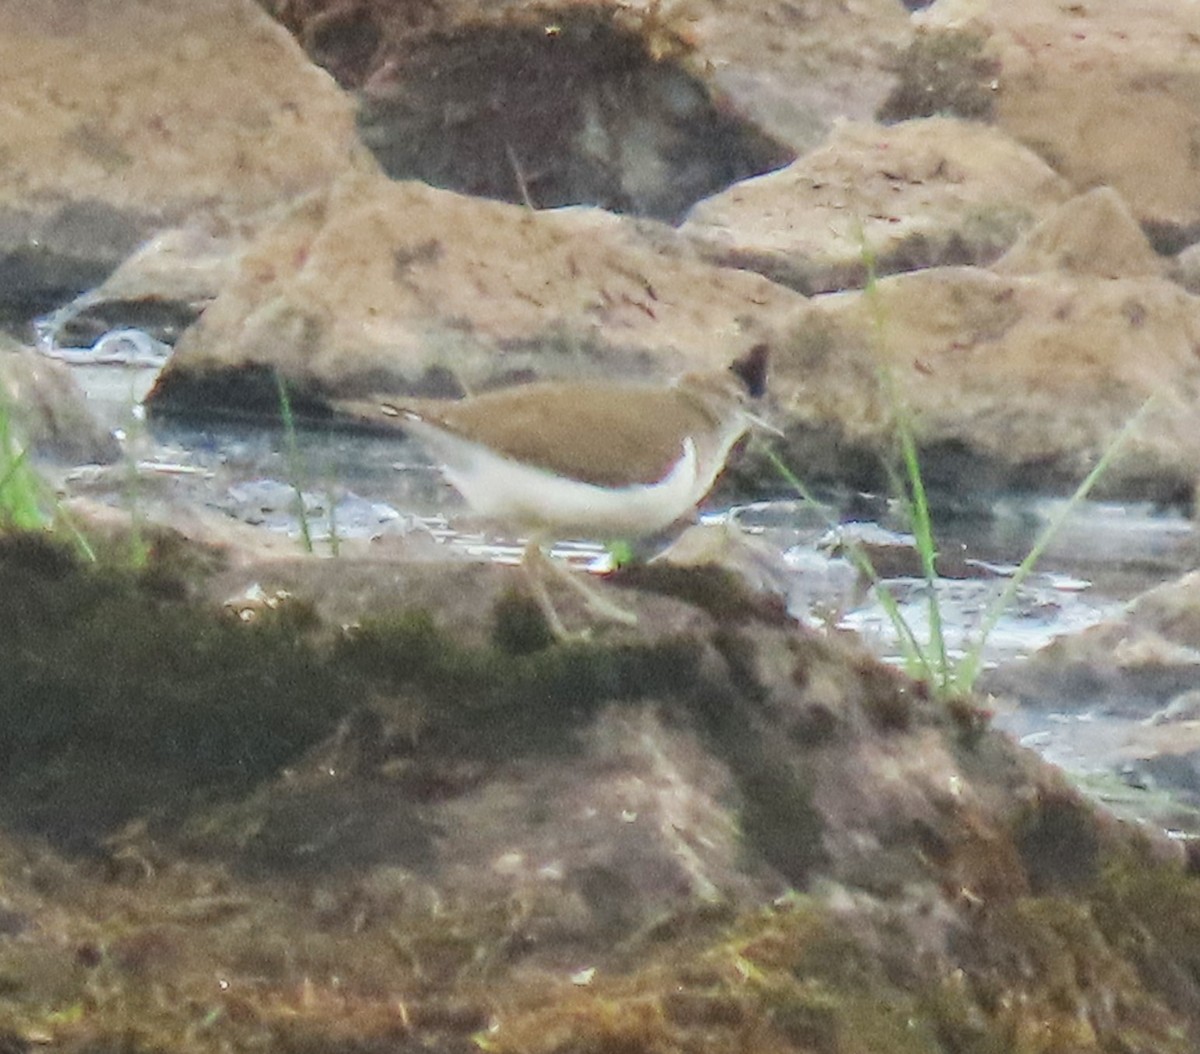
1102,555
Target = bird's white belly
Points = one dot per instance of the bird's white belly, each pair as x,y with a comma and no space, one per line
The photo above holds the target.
532,497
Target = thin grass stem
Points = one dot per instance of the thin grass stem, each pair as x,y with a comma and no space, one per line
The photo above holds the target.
292,459
916,502
916,660
335,543
971,663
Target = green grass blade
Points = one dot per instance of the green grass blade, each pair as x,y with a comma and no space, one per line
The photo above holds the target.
922,527
916,502
19,504
931,661
25,496
12,467
74,530
916,661
969,667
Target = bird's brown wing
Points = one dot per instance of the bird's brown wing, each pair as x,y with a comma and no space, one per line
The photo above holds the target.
603,434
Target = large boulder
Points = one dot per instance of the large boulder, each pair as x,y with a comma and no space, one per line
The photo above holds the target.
41,406
1020,375
383,286
797,69
1107,92
915,194
124,118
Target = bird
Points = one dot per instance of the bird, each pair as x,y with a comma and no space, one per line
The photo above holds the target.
589,459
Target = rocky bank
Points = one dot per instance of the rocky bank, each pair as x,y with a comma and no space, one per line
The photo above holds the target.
257,802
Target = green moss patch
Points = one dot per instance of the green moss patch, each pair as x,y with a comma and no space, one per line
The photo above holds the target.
493,702
120,698
119,701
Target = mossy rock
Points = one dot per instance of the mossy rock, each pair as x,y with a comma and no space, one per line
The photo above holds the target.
118,699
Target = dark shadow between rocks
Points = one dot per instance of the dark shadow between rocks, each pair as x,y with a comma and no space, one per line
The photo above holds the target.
164,319
559,107
244,393
49,256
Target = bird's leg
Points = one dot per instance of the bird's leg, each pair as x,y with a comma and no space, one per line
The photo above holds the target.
600,606
533,563
537,562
